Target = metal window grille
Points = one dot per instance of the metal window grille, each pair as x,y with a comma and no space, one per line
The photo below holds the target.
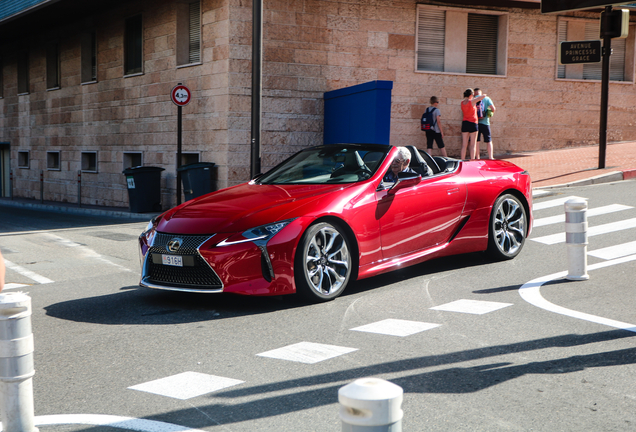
481,53
194,52
594,71
562,34
431,32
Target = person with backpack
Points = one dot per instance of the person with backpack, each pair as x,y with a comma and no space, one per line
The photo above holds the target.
432,125
469,122
486,110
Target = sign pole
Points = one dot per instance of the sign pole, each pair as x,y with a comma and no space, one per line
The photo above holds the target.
180,96
607,51
179,129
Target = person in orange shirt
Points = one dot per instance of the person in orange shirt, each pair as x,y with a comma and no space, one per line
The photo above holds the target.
469,121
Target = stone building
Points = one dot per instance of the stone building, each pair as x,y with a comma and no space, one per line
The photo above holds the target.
85,86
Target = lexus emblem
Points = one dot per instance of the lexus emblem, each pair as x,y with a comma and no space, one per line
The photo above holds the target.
174,244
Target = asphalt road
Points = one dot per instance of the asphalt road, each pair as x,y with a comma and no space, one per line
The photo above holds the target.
104,346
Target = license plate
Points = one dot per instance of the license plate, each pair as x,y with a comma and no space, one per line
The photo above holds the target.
172,260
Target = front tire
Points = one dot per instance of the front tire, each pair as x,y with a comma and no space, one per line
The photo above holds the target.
507,228
323,264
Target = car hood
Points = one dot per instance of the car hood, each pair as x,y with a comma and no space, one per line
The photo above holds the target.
241,207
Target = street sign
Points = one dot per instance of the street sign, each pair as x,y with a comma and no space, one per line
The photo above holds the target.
180,95
575,52
553,6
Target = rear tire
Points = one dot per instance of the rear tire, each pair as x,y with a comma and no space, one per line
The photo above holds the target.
323,263
508,228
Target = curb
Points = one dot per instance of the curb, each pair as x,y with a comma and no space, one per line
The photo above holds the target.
79,210
610,177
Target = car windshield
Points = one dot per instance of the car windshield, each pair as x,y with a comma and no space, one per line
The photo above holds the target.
333,163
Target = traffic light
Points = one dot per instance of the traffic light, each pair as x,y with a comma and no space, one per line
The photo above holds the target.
615,24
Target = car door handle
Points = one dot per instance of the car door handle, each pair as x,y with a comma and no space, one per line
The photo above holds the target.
452,191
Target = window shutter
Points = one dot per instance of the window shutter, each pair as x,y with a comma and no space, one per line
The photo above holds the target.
430,40
562,37
594,71
481,53
195,32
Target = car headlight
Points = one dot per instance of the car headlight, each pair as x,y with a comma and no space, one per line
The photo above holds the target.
150,231
260,234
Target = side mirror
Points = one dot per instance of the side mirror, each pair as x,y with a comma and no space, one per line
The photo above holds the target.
405,180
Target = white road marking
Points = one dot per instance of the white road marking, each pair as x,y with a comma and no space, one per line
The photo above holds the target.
119,422
539,192
590,213
477,307
9,286
88,252
591,231
27,273
552,203
186,385
307,352
614,252
531,292
396,327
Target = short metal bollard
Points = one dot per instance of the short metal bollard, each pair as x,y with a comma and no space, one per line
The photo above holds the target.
371,405
576,238
16,363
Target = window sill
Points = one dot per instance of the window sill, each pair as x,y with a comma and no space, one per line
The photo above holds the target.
53,88
461,73
189,65
89,82
23,94
54,169
23,167
593,81
90,171
133,75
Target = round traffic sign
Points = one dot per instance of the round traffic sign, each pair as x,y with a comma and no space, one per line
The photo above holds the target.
180,95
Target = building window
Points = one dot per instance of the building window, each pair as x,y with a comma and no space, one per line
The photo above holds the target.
53,160
23,159
1,78
133,43
89,161
132,160
53,65
23,72
89,57
456,41
578,30
189,158
188,32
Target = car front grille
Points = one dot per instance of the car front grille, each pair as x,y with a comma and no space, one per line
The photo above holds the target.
198,276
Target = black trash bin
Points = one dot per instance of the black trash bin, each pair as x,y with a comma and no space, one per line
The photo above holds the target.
144,188
198,179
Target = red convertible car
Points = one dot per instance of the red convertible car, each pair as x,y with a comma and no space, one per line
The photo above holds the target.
328,216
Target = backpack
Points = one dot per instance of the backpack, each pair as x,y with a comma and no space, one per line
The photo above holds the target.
480,109
427,119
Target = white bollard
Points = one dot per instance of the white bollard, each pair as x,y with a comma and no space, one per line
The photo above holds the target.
371,405
576,238
16,363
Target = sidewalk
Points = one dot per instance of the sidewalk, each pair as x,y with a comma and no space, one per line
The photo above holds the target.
566,167
577,166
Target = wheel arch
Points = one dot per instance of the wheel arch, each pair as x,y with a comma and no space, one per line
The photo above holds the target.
517,194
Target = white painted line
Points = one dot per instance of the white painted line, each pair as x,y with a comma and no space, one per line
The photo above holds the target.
531,292
591,231
307,352
86,251
597,211
186,385
396,327
9,286
539,192
614,252
119,422
476,307
27,273
552,203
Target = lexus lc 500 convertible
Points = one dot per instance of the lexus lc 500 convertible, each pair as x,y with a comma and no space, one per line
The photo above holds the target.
327,216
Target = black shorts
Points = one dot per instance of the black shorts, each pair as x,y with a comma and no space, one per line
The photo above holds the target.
469,126
434,136
484,130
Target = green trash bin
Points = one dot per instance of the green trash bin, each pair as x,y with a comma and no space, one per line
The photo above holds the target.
198,179
144,188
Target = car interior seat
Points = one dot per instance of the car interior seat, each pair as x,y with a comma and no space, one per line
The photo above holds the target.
430,161
418,164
